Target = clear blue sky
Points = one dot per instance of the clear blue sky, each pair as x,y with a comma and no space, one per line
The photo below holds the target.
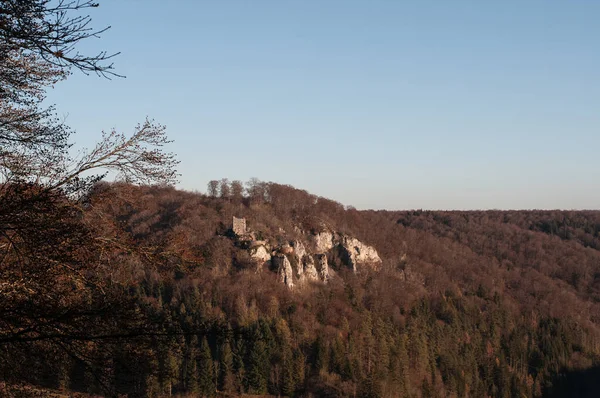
377,104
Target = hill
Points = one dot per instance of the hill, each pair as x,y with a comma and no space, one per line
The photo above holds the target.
484,303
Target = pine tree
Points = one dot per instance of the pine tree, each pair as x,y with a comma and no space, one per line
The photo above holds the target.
258,364
370,387
299,368
283,355
321,354
426,389
382,356
206,384
400,365
226,369
288,384
239,367
169,363
190,369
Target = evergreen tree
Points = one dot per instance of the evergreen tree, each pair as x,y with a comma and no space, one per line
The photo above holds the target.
337,363
239,367
206,384
226,369
370,386
288,382
382,356
258,364
169,363
190,369
426,389
321,354
299,368
399,365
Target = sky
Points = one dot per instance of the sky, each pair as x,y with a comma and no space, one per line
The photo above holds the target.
382,104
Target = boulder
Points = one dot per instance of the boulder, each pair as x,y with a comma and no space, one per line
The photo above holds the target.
260,254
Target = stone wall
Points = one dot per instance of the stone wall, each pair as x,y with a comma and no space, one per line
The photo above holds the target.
239,226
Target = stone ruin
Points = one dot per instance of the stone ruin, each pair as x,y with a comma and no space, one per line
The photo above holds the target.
239,226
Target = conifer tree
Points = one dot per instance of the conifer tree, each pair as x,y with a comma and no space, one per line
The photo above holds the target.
206,384
239,367
382,356
288,383
226,376
321,354
258,364
190,366
299,368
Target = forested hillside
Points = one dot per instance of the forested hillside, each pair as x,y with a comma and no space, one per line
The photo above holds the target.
465,303
134,288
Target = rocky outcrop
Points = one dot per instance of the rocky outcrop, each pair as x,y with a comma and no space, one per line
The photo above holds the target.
285,273
306,266
299,249
322,267
357,253
310,272
305,259
352,251
323,241
255,243
260,254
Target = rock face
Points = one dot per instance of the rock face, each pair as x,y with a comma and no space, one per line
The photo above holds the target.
284,270
310,271
306,266
308,253
357,253
299,249
322,267
353,251
286,249
323,241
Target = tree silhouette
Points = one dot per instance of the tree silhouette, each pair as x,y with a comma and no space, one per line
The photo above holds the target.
56,295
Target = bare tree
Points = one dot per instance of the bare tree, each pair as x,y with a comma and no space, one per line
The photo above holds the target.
225,188
237,190
38,48
256,190
52,29
213,188
54,288
137,159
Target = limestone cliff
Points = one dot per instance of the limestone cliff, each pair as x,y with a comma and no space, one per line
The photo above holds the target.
284,270
323,241
354,252
323,267
358,253
305,259
310,271
299,249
